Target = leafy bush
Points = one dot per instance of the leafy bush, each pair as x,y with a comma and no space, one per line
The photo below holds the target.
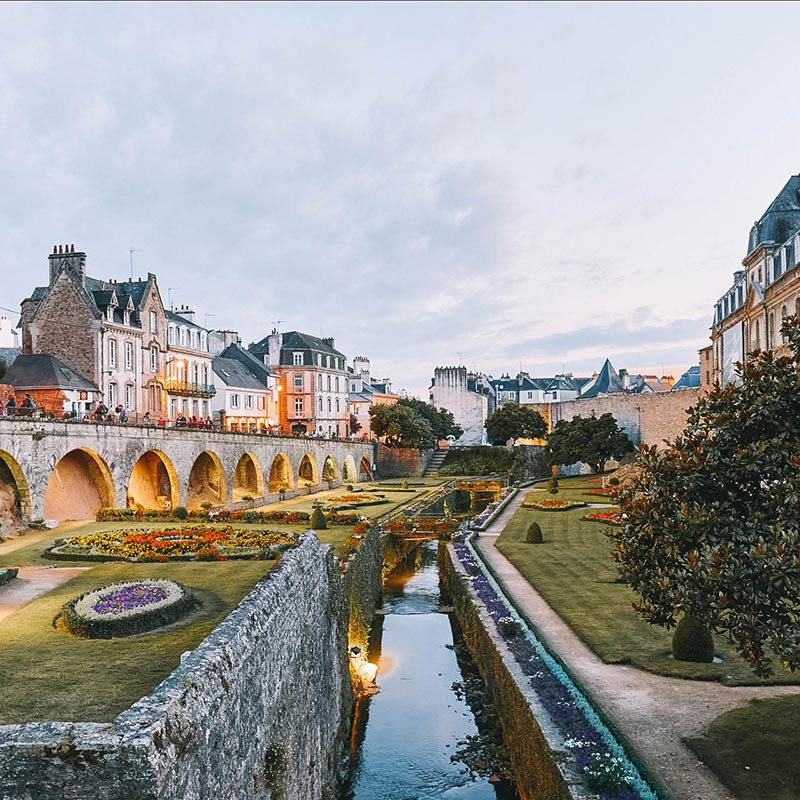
477,461
692,641
7,575
613,481
552,490
405,484
318,522
552,483
180,513
534,535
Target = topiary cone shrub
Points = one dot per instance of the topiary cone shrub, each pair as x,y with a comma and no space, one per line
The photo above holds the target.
180,513
318,520
692,641
552,483
534,535
553,490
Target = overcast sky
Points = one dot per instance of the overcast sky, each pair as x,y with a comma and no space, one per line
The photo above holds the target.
505,186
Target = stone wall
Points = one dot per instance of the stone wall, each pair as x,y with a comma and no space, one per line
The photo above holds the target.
261,709
450,390
646,418
401,462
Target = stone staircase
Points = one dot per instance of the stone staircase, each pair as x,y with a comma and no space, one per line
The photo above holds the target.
432,470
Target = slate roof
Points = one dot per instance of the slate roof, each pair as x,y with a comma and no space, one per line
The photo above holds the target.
43,371
238,353
606,382
689,380
9,355
781,219
295,341
173,316
235,374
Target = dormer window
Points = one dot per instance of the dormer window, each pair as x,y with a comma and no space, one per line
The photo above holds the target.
297,359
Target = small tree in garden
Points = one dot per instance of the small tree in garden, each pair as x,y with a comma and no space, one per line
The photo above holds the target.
515,421
355,425
711,525
318,522
593,440
534,535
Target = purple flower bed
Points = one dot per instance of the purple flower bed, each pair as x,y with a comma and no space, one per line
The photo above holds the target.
600,758
129,597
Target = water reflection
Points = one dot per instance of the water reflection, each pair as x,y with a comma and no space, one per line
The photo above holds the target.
404,737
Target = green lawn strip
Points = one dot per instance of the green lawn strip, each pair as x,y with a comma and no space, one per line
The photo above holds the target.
574,572
47,675
755,750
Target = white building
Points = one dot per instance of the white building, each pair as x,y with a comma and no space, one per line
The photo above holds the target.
189,383
8,335
468,396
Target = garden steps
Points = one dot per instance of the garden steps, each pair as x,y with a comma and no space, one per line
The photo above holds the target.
437,459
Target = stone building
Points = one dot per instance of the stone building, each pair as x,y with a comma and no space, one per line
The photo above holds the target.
528,391
748,315
313,383
469,396
706,367
366,392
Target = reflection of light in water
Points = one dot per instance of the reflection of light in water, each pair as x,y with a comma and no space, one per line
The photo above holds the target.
387,663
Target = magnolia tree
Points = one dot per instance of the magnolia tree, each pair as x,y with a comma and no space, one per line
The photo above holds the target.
593,440
515,421
712,524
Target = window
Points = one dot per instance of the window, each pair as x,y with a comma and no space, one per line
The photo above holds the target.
248,401
298,405
320,405
530,395
337,404
128,355
195,374
203,341
183,337
112,395
170,335
194,340
205,375
112,352
260,403
319,382
329,382
130,403
234,401
783,319
153,322
297,359
298,382
352,387
757,340
771,331
329,405
337,384
153,359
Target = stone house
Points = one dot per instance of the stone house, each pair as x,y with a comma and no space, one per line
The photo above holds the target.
189,382
313,383
364,392
469,396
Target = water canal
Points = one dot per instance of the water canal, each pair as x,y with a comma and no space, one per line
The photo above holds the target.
430,733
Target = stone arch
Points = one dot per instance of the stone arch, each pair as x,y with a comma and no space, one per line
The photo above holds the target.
15,495
207,483
349,472
153,482
80,484
308,474
330,469
281,478
248,478
365,469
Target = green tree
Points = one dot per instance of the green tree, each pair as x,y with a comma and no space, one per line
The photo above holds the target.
593,440
712,524
355,425
441,420
412,423
515,421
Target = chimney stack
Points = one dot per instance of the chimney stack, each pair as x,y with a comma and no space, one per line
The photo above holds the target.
65,257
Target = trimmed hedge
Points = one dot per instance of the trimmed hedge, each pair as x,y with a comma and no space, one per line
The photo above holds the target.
112,628
7,575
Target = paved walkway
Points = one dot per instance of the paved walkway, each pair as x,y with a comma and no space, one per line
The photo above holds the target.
30,583
652,713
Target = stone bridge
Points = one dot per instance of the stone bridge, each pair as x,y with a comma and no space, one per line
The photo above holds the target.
52,470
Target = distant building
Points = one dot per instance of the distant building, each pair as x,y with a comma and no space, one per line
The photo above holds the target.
313,383
749,314
690,379
530,391
469,396
365,392
9,338
706,367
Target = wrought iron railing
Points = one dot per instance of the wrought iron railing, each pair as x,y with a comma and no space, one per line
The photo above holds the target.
190,389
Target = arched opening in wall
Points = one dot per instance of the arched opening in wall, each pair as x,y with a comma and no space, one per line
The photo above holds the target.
280,474
308,475
330,469
81,483
153,483
207,482
248,479
349,472
15,498
365,469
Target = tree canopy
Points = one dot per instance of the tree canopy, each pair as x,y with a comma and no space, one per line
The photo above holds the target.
412,423
712,524
593,440
515,421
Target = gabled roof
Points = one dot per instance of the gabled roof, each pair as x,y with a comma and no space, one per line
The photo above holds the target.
43,371
295,341
238,353
689,380
606,382
236,375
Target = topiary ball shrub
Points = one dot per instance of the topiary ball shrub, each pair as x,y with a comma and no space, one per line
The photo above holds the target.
318,522
613,481
349,487
534,535
692,641
180,513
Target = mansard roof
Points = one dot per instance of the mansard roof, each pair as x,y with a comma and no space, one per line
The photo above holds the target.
245,357
781,219
44,371
237,375
606,382
689,380
295,341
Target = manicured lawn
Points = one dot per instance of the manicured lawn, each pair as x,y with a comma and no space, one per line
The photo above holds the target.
574,572
755,750
48,675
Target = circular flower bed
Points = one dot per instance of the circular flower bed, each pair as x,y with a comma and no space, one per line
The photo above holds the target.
190,543
125,609
552,505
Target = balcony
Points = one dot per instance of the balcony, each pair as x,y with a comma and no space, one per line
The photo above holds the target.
189,389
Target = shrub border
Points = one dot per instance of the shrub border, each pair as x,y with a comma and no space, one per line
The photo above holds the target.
7,574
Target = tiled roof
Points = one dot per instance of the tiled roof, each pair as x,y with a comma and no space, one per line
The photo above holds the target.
235,374
40,371
689,380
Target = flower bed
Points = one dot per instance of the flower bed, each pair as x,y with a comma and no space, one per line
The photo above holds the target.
251,516
602,761
604,517
126,609
553,504
440,527
192,543
608,491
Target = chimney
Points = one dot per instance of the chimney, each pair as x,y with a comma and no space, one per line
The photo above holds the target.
186,313
65,257
329,341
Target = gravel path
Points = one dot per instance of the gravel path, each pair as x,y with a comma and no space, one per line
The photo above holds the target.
652,713
30,583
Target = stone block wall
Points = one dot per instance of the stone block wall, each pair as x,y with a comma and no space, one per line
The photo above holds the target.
261,709
401,462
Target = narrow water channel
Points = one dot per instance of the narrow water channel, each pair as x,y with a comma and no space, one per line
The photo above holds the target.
418,737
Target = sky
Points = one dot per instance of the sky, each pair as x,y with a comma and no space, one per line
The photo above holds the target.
504,186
